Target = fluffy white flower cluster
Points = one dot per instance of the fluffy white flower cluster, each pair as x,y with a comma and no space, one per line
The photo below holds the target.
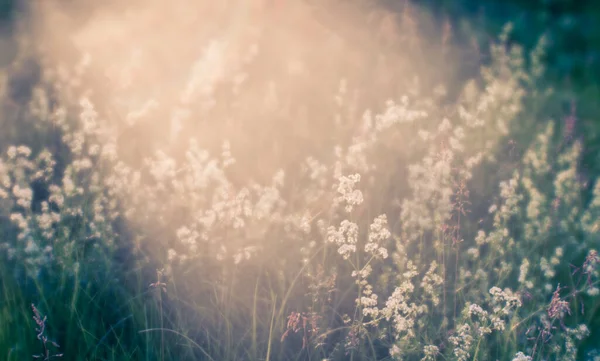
430,352
346,237
400,310
378,233
462,341
432,283
520,356
347,192
504,301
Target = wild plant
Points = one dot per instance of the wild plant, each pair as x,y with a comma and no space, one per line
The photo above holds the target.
299,220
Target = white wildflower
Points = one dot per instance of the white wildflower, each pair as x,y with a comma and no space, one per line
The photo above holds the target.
520,356
346,237
352,197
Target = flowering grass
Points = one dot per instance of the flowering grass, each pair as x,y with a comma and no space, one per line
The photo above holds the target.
287,205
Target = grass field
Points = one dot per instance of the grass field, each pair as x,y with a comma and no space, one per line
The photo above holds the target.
289,181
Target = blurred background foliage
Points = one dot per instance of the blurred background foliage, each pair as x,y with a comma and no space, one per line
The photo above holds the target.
572,53
572,29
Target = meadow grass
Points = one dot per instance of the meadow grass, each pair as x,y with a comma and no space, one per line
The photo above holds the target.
331,206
